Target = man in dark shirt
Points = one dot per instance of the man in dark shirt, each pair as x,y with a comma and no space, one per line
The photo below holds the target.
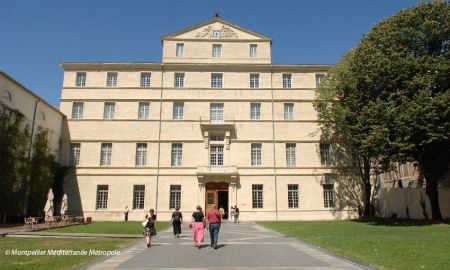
213,217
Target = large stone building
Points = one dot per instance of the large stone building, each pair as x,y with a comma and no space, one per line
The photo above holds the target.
215,123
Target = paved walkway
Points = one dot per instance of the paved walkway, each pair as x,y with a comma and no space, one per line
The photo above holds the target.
241,246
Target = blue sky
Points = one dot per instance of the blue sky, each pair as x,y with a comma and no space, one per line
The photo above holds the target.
37,35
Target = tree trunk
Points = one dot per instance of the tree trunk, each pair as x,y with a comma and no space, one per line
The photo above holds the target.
433,195
367,189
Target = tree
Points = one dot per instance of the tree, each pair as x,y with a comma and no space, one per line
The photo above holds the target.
397,80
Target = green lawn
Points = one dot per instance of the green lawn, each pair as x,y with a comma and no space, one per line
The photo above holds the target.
9,244
113,227
382,243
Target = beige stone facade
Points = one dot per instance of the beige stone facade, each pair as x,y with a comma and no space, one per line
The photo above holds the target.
215,122
37,112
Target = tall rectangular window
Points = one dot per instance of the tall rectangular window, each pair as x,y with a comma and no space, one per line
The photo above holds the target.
81,79
177,154
179,79
254,80
179,51
256,154
216,155
328,196
319,79
253,50
255,111
325,158
138,196
102,197
77,110
141,154
216,80
105,154
216,50
144,110
287,80
290,154
111,79
145,79
257,196
178,110
293,196
75,150
108,110
288,111
216,113
175,196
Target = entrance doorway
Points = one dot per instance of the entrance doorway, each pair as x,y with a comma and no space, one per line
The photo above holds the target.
217,194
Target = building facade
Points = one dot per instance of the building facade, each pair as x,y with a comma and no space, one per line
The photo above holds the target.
214,123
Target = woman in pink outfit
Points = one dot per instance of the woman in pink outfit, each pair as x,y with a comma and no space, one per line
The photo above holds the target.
198,221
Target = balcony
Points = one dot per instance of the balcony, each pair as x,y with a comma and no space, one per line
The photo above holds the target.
217,170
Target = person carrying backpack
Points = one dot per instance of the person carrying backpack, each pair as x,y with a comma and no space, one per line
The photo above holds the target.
177,219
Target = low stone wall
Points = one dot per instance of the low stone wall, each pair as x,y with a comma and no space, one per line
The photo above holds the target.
410,203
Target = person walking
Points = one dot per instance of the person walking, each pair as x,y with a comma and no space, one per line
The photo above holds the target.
232,214
198,221
221,212
214,221
126,213
177,219
236,214
149,228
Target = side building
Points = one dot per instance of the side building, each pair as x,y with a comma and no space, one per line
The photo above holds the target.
215,123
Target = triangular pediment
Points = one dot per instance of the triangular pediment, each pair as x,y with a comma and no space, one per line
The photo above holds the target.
216,29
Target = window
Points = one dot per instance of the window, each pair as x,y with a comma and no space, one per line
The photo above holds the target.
255,111
102,197
319,79
325,158
254,80
328,196
256,154
293,196
144,110
253,50
216,155
217,138
74,157
141,154
178,110
177,154
216,80
7,96
179,79
287,80
290,154
216,113
81,79
108,111
288,111
105,155
111,79
257,196
175,196
216,50
145,79
77,110
180,48
138,196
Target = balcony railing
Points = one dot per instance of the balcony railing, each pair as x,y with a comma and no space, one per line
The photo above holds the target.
217,169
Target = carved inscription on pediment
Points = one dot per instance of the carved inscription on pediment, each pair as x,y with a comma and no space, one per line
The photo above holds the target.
210,32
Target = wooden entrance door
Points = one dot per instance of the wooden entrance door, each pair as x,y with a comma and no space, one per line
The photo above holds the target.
212,194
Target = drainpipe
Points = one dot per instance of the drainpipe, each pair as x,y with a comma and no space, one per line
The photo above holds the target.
273,143
30,148
159,138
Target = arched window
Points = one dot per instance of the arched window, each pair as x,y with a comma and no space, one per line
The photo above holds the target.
42,115
7,96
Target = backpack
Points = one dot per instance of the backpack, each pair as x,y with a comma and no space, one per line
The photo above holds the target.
176,216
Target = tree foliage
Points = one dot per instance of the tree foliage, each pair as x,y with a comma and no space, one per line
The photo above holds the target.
393,93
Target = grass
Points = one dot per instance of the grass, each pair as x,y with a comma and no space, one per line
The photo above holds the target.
53,261
111,227
386,244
